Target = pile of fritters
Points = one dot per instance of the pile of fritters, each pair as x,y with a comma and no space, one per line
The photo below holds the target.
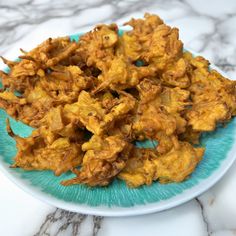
90,101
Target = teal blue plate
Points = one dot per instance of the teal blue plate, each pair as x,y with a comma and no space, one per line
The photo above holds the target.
117,199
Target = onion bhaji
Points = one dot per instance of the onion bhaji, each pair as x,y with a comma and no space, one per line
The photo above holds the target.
146,165
90,101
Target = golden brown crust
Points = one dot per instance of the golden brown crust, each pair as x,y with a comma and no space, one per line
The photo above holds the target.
91,100
145,165
105,157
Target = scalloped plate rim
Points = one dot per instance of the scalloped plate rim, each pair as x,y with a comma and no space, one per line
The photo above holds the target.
162,205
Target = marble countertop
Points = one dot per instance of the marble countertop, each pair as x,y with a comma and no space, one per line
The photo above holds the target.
207,27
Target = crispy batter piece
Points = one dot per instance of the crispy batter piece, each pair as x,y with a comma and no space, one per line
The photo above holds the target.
97,47
103,160
34,154
94,114
145,165
158,115
91,100
208,90
122,75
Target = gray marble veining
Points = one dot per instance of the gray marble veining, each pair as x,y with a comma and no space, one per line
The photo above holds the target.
61,222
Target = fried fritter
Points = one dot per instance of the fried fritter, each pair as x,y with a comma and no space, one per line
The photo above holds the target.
53,89
103,160
164,47
134,43
91,100
94,116
145,165
140,168
97,47
34,154
209,89
158,115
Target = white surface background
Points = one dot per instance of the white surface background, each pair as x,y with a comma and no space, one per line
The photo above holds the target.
208,27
